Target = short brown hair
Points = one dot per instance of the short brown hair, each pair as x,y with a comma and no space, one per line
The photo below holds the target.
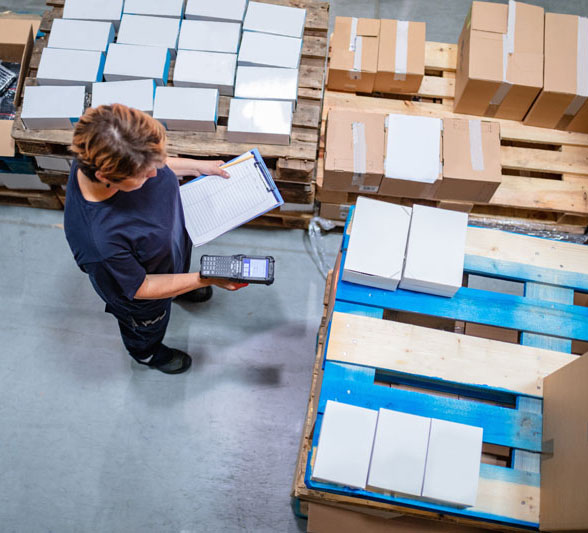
118,141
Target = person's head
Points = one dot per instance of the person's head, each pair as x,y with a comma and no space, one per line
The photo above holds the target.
120,146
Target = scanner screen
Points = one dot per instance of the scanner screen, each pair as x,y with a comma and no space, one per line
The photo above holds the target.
255,268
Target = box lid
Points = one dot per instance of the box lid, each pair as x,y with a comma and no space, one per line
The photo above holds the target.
564,465
344,44
6,141
561,53
488,16
414,47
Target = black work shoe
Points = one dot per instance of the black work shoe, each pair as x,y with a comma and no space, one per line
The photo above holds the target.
179,362
196,296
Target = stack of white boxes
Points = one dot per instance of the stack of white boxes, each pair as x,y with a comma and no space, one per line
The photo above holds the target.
399,453
420,249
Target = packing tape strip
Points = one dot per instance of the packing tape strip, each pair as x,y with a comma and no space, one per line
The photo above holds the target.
353,34
359,153
476,148
581,69
508,47
401,59
357,54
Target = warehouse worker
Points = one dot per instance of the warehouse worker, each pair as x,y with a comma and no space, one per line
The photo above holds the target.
125,226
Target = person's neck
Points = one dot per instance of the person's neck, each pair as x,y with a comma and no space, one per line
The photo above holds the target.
93,191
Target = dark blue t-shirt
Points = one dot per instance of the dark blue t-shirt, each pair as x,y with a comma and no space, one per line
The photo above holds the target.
120,240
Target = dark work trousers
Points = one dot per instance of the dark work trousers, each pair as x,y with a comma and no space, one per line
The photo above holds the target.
143,336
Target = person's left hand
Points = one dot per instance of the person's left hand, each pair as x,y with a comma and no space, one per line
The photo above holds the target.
212,168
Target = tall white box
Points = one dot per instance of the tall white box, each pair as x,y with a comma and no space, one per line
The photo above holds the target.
279,20
52,108
267,83
210,36
345,445
453,463
135,62
399,453
103,10
186,108
259,121
435,252
70,67
81,35
162,32
219,10
156,8
265,50
206,69
377,245
138,94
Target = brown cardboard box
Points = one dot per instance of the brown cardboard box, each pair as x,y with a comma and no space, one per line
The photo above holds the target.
388,77
353,58
552,107
354,162
479,87
335,211
468,144
16,45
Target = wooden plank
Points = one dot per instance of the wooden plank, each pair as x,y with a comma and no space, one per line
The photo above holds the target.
544,160
440,56
440,354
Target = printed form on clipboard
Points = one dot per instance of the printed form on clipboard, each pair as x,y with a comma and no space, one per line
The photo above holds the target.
214,205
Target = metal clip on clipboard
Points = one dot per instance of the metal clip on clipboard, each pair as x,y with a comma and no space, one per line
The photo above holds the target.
266,179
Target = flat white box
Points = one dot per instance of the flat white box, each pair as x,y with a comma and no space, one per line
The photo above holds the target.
162,32
49,162
156,8
377,245
413,148
453,463
52,108
211,70
28,182
399,453
345,445
104,10
267,83
210,36
259,121
264,50
186,108
138,94
279,20
132,62
435,252
81,35
70,67
219,10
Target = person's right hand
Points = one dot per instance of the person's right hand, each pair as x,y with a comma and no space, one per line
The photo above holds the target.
226,284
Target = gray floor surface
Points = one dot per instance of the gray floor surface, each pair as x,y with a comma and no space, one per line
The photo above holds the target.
90,441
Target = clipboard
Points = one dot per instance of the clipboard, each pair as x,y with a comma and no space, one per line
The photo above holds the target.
213,205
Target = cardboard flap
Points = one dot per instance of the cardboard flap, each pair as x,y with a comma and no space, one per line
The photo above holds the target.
486,16
529,24
564,465
368,27
6,140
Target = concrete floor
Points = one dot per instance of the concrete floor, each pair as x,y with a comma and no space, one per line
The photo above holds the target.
90,441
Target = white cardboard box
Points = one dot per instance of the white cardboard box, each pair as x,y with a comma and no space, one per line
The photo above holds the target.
399,453
104,10
162,32
413,148
156,8
210,36
138,94
453,463
377,245
279,20
135,62
264,50
70,67
435,252
219,10
186,108
211,70
48,107
259,121
267,83
26,182
345,445
81,35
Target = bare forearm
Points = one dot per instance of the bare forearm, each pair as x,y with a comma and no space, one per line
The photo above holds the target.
159,286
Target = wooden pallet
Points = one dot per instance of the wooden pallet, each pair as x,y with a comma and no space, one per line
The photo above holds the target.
30,198
545,172
294,164
375,358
